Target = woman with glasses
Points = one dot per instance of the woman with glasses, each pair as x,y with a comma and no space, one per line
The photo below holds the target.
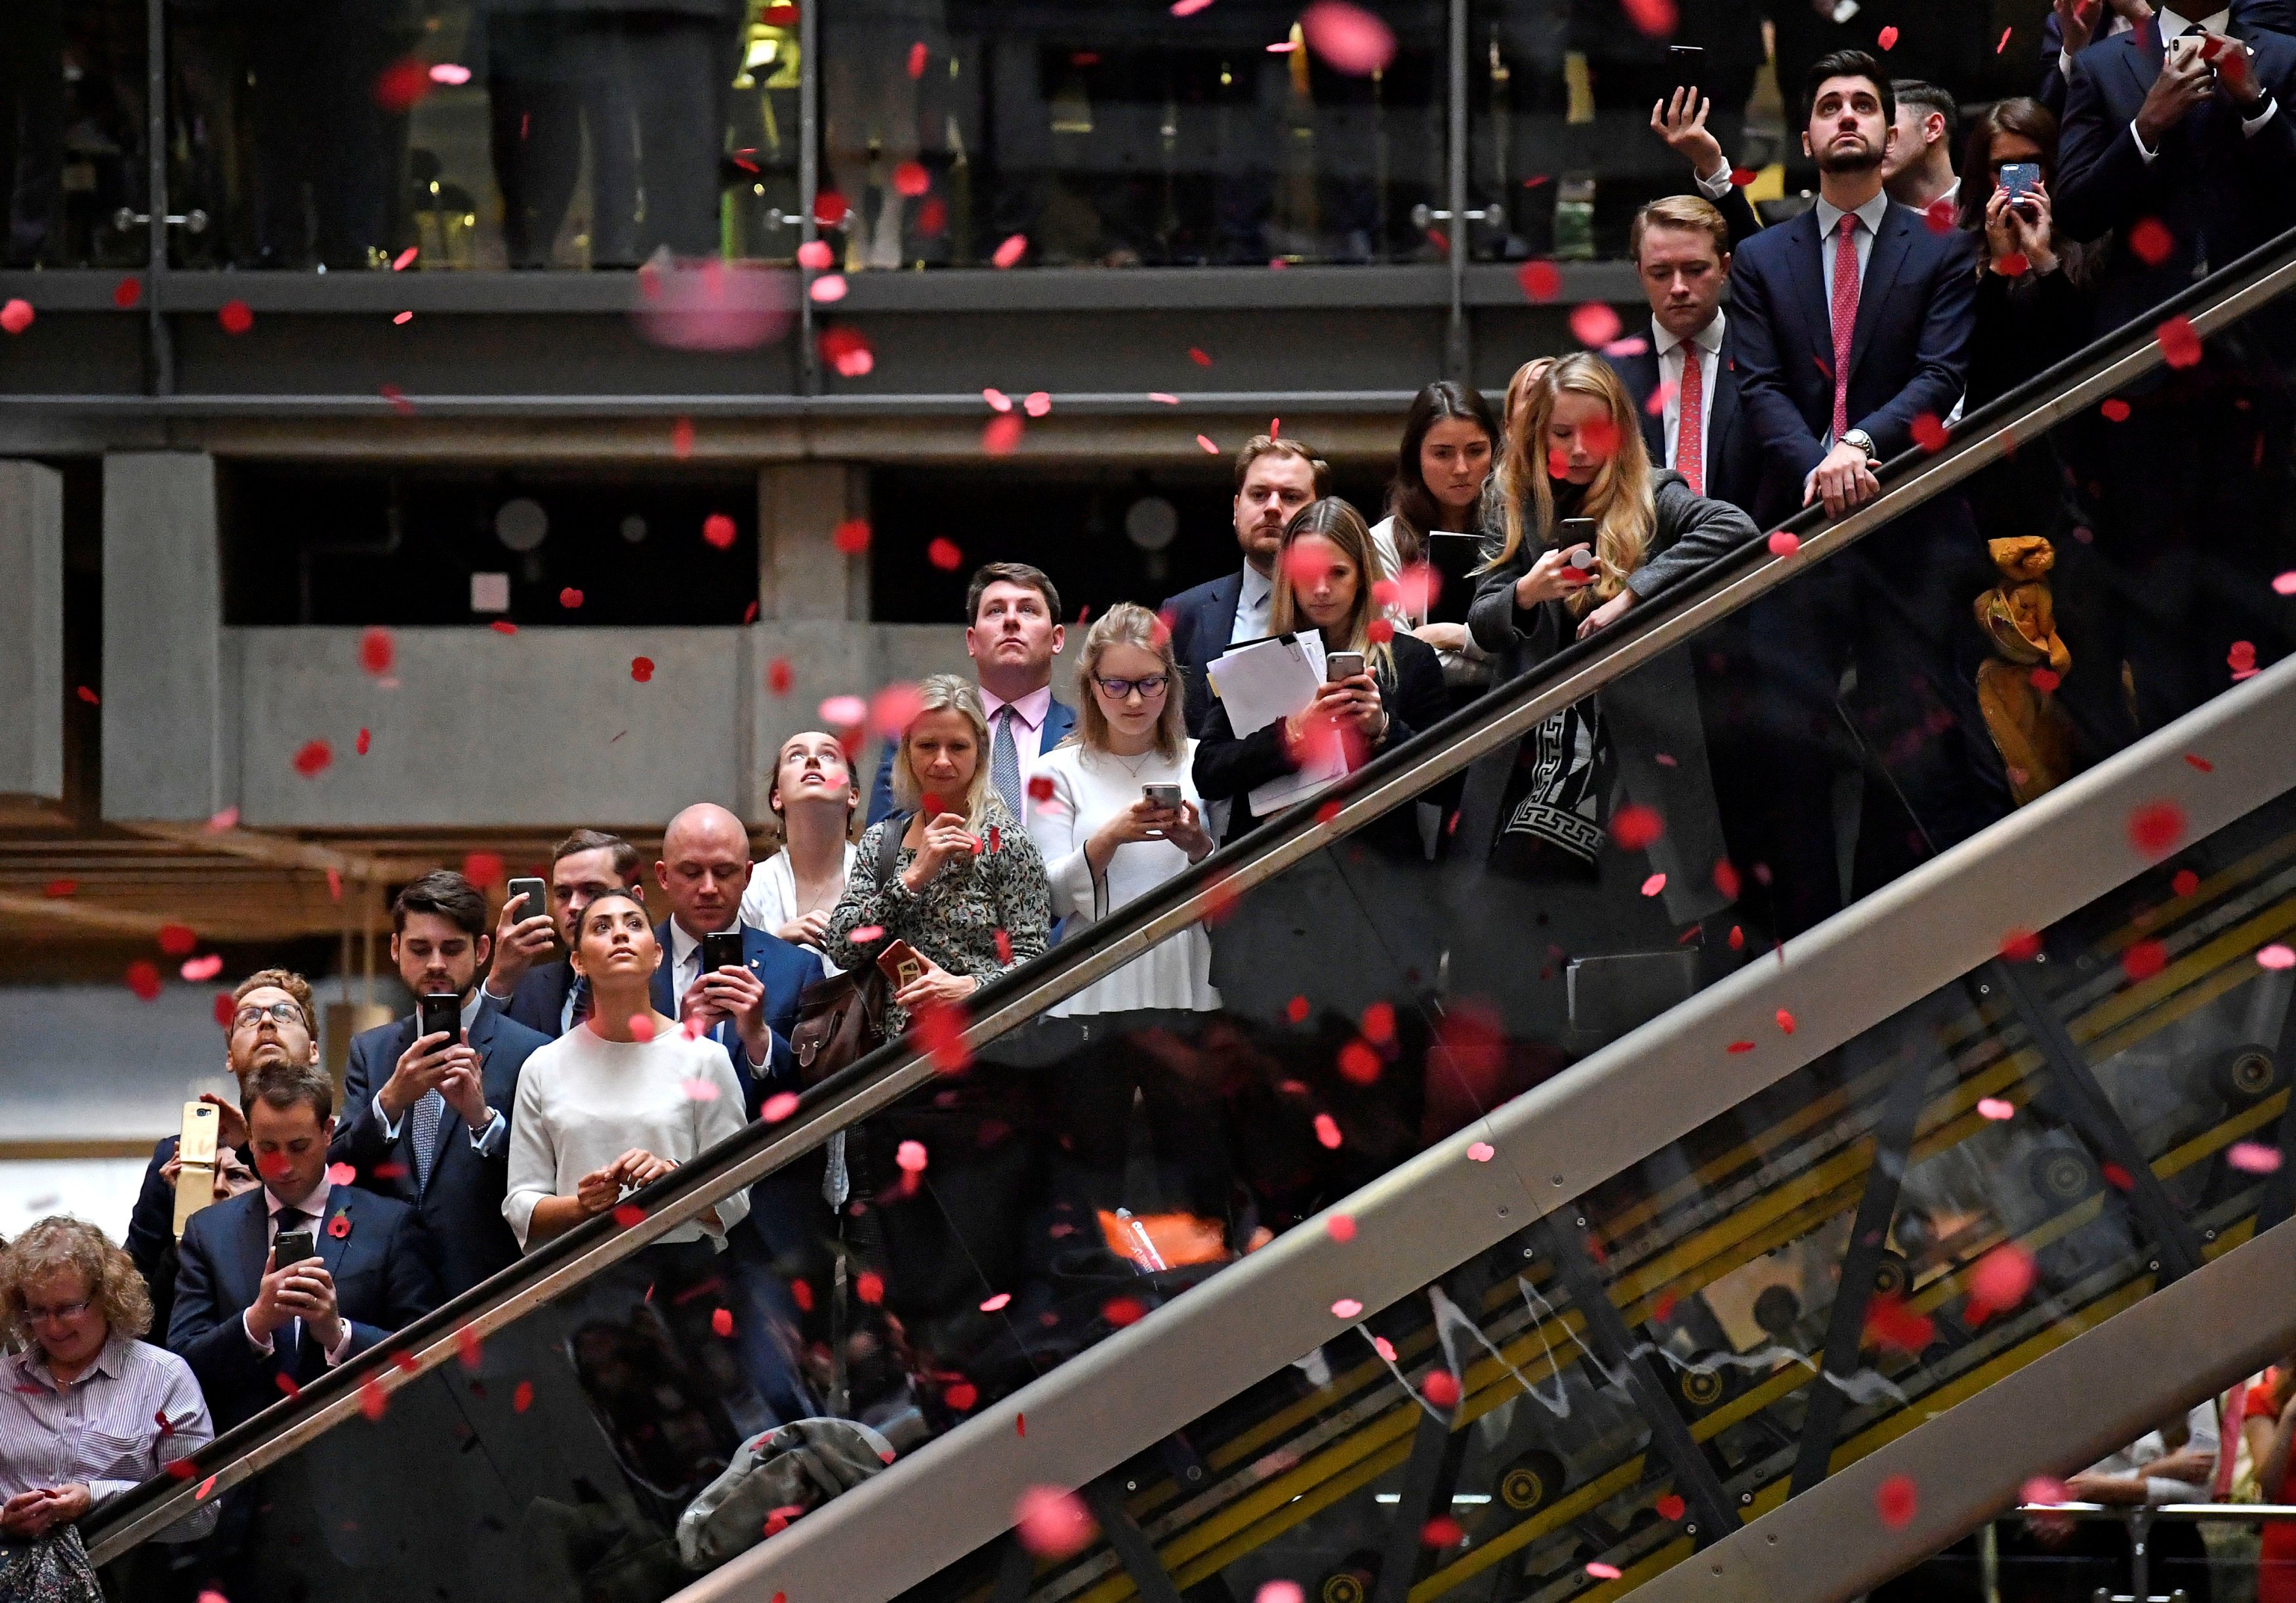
87,1411
1123,815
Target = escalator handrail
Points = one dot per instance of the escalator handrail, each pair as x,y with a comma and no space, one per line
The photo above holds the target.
1611,1110
1668,618
2066,1409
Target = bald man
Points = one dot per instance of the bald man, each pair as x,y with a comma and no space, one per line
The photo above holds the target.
703,870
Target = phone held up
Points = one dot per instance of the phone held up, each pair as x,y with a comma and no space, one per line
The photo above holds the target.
1343,665
722,950
533,896
2018,179
442,1014
293,1246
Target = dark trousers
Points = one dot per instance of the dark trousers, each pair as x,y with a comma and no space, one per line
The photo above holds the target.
31,131
327,158
649,91
1896,609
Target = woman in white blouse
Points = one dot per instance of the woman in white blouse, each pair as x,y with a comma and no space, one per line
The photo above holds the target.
620,1100
1105,841
814,796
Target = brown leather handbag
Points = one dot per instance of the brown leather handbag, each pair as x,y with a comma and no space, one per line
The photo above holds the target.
841,1020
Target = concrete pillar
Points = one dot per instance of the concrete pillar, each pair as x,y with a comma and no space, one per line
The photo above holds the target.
167,735
32,630
801,573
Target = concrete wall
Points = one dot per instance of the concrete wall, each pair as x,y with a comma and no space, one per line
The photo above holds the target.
545,727
166,722
31,630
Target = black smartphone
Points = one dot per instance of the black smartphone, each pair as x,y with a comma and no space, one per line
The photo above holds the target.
536,897
1686,54
442,1011
293,1246
721,950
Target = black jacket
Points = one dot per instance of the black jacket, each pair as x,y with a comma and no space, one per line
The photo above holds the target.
1651,714
1228,767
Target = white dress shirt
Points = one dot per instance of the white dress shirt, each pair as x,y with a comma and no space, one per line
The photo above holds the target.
315,1206
1673,354
1028,715
2173,26
1253,606
485,1142
1829,225
2135,1457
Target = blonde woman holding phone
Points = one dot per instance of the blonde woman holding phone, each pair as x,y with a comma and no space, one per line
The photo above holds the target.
1123,815
967,889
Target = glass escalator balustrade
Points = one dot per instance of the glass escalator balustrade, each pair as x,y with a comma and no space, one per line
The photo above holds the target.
1378,994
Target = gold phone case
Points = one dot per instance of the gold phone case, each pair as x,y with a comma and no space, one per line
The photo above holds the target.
195,1180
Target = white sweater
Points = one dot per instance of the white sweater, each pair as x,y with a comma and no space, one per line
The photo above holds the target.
1088,789
584,1100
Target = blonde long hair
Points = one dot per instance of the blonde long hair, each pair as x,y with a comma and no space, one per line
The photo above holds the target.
1129,623
1338,522
947,693
1619,500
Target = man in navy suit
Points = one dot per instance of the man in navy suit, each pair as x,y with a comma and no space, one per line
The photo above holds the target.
2071,26
1681,250
426,1118
1852,325
272,1023
2206,149
545,996
253,1329
1275,478
704,868
1013,631
2184,491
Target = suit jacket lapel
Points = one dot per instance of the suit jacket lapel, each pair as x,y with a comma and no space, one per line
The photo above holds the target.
1226,604
1810,287
1890,244
252,1241
664,994
1723,410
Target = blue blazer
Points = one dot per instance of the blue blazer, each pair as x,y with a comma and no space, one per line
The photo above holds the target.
1202,619
384,1281
1733,456
785,971
151,1239
1908,354
462,1207
2215,187
1060,717
540,1002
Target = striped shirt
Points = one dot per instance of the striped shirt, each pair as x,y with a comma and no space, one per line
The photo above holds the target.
103,1430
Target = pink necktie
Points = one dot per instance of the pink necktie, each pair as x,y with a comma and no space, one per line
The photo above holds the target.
1690,429
1845,317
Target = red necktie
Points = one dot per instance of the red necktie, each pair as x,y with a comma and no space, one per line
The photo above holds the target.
1690,425
1845,317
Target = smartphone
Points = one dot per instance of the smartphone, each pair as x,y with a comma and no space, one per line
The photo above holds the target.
442,1012
2018,177
1165,796
900,964
1689,53
536,895
721,950
1343,665
293,1246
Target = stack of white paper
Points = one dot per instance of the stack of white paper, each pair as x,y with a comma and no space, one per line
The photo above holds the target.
1263,681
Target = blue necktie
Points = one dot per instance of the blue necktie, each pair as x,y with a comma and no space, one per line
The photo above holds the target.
1005,763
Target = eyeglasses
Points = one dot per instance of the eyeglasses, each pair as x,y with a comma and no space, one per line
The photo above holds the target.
1150,688
284,1013
62,1313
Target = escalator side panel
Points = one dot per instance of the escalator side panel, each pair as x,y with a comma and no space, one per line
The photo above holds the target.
1883,955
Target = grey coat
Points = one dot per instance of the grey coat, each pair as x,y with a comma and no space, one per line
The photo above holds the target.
1651,714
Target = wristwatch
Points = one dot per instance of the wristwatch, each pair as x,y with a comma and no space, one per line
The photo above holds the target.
1863,441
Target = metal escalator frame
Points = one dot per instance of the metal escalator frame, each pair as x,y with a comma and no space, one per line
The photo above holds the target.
888,1074
2064,1410
1880,956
